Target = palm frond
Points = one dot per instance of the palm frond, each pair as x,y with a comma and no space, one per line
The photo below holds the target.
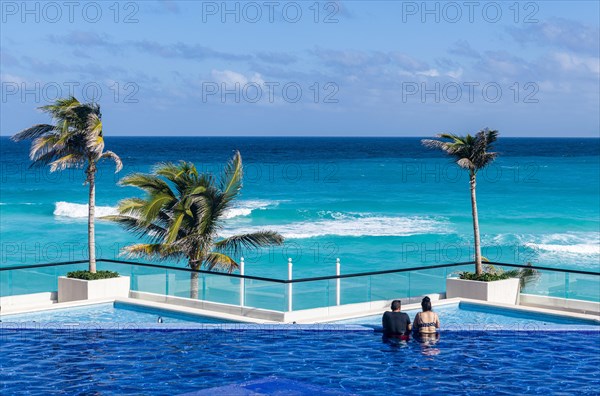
433,144
152,231
470,152
174,228
155,204
220,261
182,175
111,155
152,184
131,205
168,170
230,182
482,156
465,163
153,250
61,107
93,132
45,144
68,161
197,245
33,132
45,150
235,244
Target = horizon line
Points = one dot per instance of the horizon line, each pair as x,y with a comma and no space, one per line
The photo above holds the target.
326,136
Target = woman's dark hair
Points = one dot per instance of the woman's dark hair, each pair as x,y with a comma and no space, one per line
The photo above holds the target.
426,304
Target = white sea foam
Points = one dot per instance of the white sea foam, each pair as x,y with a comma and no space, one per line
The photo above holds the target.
245,208
581,248
572,243
325,214
76,211
355,227
574,248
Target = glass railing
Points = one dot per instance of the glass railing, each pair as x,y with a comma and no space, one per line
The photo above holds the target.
297,294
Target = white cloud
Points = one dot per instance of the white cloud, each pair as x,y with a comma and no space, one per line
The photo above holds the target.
429,73
570,62
230,78
6,78
455,74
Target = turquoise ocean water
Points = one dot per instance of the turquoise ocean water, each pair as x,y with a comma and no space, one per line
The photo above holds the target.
376,203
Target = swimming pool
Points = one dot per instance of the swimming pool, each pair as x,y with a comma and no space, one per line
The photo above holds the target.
468,316
117,312
459,316
181,361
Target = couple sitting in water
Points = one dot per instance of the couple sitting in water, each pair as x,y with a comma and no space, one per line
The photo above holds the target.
397,324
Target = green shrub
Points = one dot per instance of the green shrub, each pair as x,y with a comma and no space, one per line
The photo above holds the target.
486,276
492,273
87,275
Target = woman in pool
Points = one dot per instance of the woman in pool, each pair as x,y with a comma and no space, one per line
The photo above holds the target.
426,322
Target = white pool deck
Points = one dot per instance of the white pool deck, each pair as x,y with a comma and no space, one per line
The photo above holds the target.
574,309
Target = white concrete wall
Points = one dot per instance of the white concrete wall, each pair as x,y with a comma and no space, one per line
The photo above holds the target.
70,289
504,291
244,312
587,307
10,303
314,315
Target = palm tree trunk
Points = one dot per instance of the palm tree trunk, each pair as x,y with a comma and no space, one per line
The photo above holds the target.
194,282
478,268
91,215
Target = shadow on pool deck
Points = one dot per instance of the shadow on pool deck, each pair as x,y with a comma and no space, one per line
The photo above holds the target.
268,386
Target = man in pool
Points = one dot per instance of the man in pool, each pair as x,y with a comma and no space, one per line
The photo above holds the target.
396,324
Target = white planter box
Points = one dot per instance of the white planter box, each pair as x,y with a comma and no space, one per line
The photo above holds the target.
504,291
70,289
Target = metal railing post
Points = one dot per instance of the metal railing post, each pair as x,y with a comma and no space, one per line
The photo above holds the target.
242,283
337,283
167,282
289,289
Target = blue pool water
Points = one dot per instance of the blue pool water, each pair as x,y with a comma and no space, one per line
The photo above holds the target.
462,316
109,313
465,316
179,361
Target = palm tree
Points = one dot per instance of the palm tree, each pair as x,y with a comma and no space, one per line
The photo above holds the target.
183,214
75,141
471,153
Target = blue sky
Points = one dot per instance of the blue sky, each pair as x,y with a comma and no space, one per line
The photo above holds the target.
348,68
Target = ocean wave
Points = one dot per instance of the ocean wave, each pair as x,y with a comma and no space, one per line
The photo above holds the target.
354,227
245,208
76,211
570,243
567,238
574,248
582,248
332,214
